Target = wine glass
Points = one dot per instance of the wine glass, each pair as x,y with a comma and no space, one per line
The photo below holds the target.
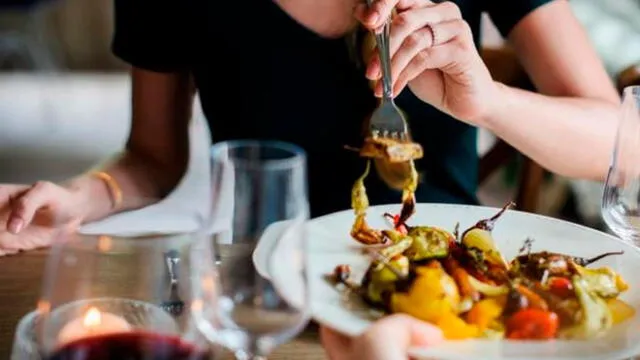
621,199
25,346
257,297
107,298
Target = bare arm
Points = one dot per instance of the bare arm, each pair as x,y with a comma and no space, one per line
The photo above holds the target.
157,151
570,126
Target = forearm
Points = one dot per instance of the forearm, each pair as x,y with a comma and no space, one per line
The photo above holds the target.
157,151
572,137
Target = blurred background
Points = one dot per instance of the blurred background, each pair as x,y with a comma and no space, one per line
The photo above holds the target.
64,99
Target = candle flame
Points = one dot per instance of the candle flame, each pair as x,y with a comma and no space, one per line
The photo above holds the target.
93,318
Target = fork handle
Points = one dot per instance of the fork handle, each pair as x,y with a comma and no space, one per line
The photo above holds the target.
172,258
382,40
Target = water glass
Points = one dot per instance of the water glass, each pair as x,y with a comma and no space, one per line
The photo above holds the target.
621,199
258,296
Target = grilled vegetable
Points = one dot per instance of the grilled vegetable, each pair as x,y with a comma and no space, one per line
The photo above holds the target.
488,289
532,324
461,277
360,230
620,311
544,263
391,150
400,246
408,195
485,312
479,238
603,281
432,295
594,317
428,243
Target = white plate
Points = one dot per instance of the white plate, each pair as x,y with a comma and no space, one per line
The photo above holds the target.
279,256
331,245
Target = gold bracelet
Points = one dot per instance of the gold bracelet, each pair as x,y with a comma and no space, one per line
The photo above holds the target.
114,189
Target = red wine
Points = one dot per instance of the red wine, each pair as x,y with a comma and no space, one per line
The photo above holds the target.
130,346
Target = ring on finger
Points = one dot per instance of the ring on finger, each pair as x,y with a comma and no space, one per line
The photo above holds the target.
434,34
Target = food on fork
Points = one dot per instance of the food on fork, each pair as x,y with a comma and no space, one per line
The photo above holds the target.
462,283
391,150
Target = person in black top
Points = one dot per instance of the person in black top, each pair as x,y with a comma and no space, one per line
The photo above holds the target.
290,70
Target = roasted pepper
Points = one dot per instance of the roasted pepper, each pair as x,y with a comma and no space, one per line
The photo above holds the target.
432,294
479,237
544,264
482,240
360,230
620,311
454,328
461,277
485,312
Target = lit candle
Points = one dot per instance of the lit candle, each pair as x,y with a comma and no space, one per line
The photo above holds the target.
93,323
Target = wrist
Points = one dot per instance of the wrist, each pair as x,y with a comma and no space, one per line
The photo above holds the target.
499,100
90,198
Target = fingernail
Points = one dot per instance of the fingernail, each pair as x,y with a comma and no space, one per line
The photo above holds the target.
377,92
373,18
372,73
15,225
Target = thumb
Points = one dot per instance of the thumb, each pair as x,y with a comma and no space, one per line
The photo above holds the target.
391,337
336,345
27,204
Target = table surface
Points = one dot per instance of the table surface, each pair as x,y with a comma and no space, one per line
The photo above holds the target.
20,279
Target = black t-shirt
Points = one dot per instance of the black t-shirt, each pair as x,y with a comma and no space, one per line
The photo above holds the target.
262,75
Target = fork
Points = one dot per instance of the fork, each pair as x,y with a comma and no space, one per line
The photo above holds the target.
174,305
387,120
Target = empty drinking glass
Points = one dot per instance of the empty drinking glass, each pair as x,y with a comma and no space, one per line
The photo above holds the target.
621,199
257,298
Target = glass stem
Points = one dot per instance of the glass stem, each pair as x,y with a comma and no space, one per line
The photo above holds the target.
252,352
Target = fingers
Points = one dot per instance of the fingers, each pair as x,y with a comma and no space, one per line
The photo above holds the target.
450,57
419,28
25,206
375,16
444,48
407,23
335,344
408,330
403,331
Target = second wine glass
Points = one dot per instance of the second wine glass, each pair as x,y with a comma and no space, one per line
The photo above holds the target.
257,297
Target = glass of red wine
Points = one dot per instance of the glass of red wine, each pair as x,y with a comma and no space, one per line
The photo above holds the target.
257,296
116,298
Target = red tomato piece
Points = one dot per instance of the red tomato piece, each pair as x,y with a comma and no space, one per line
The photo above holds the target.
532,324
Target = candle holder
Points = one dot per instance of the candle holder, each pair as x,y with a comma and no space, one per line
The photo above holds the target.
25,345
104,297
